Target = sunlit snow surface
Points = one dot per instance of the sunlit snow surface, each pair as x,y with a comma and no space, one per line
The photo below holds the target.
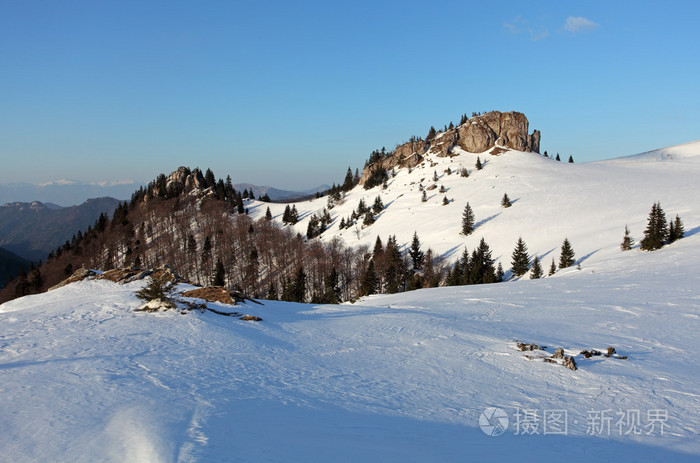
404,377
391,378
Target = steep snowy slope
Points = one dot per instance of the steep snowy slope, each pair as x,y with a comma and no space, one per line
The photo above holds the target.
403,377
589,203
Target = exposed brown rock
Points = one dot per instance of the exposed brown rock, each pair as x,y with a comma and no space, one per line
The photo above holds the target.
570,363
478,134
213,294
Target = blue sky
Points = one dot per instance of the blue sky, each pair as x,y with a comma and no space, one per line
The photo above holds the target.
292,93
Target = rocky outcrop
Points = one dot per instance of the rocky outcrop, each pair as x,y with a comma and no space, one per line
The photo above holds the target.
409,154
478,134
510,130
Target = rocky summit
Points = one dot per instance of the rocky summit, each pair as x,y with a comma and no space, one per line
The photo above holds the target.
478,134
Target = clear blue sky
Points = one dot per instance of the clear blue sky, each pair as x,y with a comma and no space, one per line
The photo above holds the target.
292,93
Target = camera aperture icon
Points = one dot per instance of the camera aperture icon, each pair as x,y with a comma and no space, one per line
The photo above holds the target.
493,421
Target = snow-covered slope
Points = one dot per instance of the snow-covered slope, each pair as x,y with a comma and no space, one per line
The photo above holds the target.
402,377
590,203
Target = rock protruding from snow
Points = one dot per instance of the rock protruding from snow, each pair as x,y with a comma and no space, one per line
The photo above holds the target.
122,275
477,135
481,133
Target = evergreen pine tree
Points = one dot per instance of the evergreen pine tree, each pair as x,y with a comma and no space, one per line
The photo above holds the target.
566,257
268,214
445,201
378,205
394,269
656,232
424,197
415,252
552,268
158,288
435,176
627,240
500,274
369,280
299,286
675,229
481,268
463,172
286,214
558,158
22,286
368,219
521,260
219,274
209,178
467,220
536,271
378,249
679,228
505,202
348,183
36,281
431,134
571,159
478,163
272,292
331,293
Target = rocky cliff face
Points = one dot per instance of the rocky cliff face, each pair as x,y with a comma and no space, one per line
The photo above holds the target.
483,132
478,134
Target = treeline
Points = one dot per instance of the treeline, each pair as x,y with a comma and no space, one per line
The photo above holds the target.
207,240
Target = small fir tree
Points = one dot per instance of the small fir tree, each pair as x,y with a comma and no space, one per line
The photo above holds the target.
467,220
159,287
675,229
479,166
500,274
571,159
505,202
656,232
378,205
521,260
536,270
445,201
370,280
272,292
558,158
627,240
415,252
219,274
552,268
424,197
566,257
268,214
463,172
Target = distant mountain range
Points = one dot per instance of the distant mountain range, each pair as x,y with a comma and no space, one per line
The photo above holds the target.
32,230
279,195
65,192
